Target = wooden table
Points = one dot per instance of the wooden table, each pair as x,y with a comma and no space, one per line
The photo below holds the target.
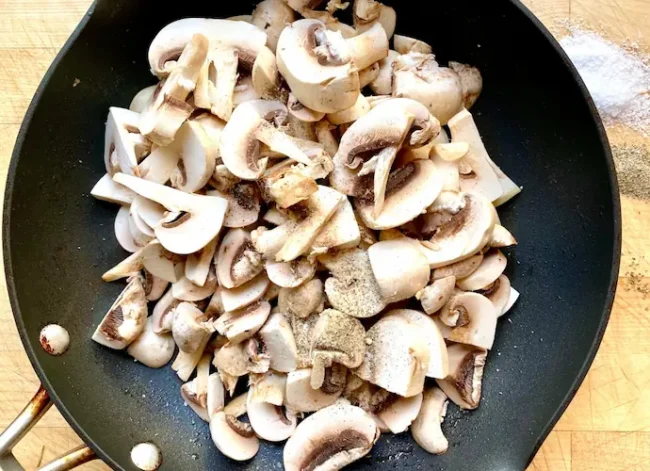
606,428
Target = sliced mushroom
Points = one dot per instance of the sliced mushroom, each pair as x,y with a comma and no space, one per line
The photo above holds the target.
266,77
185,290
319,208
215,86
195,393
216,395
251,123
301,397
404,45
237,405
303,300
438,359
331,439
352,288
287,184
244,91
501,237
270,422
268,242
163,313
152,349
237,261
275,217
367,13
340,232
397,358
399,415
243,204
185,363
122,231
369,74
317,66
159,165
119,145
426,429
464,383
349,115
437,294
470,80
126,318
154,287
107,190
233,438
197,160
512,299
144,98
490,269
291,274
368,47
337,338
383,83
452,151
371,398
301,112
473,318
215,306
401,270
242,358
499,294
272,16
188,328
193,220
142,234
197,265
330,21
246,294
460,270
268,387
279,343
244,323
303,329
326,137
462,233
166,47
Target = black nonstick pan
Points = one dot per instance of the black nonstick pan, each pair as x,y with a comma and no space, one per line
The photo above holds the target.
538,123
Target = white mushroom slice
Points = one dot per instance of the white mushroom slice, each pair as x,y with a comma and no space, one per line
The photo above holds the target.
193,221
198,158
326,137
219,78
279,343
418,76
237,261
331,439
163,313
426,428
287,184
290,274
337,338
245,38
475,320
352,288
340,232
242,358
122,231
107,190
317,66
272,16
464,383
188,328
244,91
470,80
302,332
275,217
409,191
349,115
368,75
251,123
369,397
499,294
242,324
185,363
142,234
319,207
159,165
197,265
237,405
437,294
501,237
301,112
301,397
397,358
119,145
149,212
162,263
126,318
483,177
154,287
169,110
368,47
266,77
268,242
404,45
462,233
460,269
401,270
452,151
303,300
243,295
383,83
330,21
270,422
152,349
233,438
243,204
144,98
438,359
399,415
512,299
367,13
490,269
196,400
216,395
185,290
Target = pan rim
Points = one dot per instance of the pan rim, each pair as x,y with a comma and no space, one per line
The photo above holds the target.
584,369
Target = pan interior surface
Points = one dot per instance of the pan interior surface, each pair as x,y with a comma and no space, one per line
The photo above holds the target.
537,125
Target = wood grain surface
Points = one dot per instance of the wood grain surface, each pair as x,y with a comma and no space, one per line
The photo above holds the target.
606,428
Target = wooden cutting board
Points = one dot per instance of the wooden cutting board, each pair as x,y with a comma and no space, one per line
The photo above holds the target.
606,428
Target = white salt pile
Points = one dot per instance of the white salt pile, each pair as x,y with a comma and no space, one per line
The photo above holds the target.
618,78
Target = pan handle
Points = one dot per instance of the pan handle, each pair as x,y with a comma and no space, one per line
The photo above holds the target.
29,417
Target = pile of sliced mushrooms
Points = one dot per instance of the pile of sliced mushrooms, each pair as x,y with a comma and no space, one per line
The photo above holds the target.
323,254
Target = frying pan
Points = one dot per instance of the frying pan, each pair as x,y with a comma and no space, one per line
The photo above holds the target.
538,123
